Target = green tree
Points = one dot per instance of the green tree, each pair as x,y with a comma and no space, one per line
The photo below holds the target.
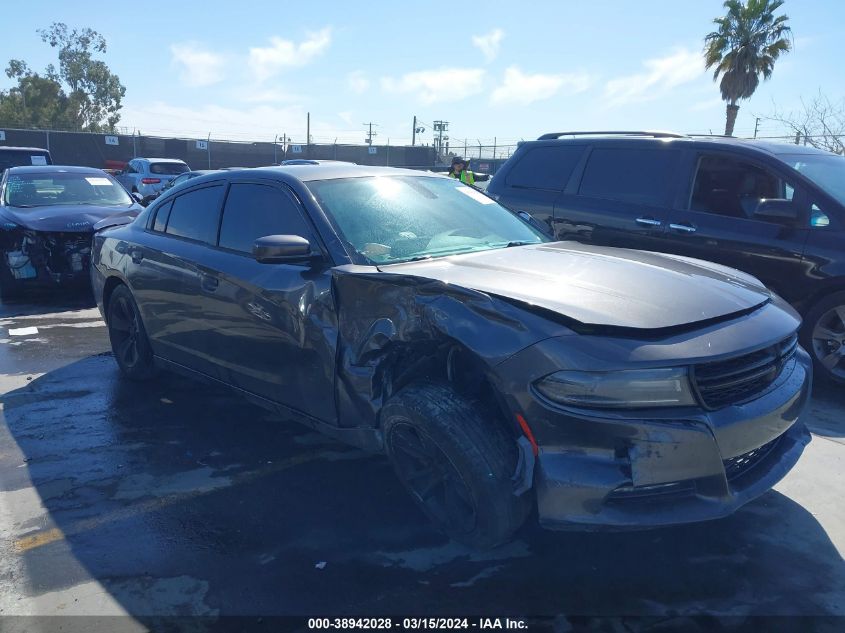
82,94
747,42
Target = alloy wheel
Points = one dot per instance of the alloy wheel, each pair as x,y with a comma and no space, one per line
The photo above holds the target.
125,333
829,341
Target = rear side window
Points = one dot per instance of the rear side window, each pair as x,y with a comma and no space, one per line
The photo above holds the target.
254,211
545,167
195,214
641,176
161,217
168,169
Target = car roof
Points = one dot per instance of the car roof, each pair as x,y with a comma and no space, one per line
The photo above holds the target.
51,169
23,149
712,141
331,171
160,160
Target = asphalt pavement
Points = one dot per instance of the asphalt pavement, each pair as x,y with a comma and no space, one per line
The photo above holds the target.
177,498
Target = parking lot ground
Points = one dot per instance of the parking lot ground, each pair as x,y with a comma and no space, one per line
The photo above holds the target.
178,498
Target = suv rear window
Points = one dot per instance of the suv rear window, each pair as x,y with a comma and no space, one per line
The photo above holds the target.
545,167
22,157
168,169
638,175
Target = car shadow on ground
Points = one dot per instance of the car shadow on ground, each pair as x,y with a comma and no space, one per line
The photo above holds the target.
47,301
180,498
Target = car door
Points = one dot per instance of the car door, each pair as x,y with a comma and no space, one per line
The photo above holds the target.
125,177
537,177
622,198
167,281
270,327
717,221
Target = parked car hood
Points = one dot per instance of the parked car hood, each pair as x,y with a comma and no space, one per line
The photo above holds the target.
64,218
599,285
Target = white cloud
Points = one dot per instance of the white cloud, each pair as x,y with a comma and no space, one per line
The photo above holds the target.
661,75
267,61
345,116
358,82
522,88
489,43
197,66
255,122
272,95
443,84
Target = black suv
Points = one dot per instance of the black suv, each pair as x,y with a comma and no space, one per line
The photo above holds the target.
774,210
22,157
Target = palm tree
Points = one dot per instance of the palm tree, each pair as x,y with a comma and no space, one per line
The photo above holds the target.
748,40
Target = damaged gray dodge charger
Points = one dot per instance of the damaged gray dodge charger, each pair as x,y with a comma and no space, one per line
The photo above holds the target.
406,313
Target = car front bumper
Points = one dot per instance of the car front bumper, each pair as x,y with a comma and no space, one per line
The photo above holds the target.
648,472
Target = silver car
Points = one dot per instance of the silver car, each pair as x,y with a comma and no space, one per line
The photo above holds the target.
147,176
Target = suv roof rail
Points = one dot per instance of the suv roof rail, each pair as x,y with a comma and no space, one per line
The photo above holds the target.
651,133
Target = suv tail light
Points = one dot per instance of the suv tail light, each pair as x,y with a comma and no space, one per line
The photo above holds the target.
150,181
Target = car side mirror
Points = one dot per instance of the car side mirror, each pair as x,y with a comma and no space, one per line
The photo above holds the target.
137,197
776,209
277,249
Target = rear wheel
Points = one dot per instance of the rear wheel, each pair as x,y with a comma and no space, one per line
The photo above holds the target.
129,340
823,335
456,462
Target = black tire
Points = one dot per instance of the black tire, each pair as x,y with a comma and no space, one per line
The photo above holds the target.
456,462
823,336
128,337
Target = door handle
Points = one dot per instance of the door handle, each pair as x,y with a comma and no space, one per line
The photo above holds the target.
209,283
683,228
649,221
136,255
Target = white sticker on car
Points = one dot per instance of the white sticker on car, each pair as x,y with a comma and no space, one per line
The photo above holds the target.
38,160
99,181
475,194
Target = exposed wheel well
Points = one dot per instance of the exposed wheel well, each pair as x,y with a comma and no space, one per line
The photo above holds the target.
453,365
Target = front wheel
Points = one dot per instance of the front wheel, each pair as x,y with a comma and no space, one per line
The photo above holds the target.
128,338
823,335
456,462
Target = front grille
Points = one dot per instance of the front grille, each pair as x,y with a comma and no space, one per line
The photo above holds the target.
738,379
737,466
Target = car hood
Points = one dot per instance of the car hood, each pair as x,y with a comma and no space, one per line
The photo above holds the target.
598,285
64,218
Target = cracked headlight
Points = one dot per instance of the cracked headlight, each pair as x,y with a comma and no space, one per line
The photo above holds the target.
626,389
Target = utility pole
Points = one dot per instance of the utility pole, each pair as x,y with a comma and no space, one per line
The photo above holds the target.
756,125
414,132
440,127
308,135
370,133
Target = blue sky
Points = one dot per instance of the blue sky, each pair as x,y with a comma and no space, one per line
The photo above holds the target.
510,70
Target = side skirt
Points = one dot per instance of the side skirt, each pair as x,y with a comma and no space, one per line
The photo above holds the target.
367,439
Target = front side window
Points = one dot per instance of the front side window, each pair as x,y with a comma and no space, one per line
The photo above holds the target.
726,186
826,171
195,214
390,219
639,176
168,169
254,211
63,188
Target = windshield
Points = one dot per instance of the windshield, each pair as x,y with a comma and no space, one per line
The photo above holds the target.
46,189
390,219
828,172
168,169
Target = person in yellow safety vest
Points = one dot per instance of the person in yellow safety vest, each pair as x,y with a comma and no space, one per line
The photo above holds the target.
459,170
